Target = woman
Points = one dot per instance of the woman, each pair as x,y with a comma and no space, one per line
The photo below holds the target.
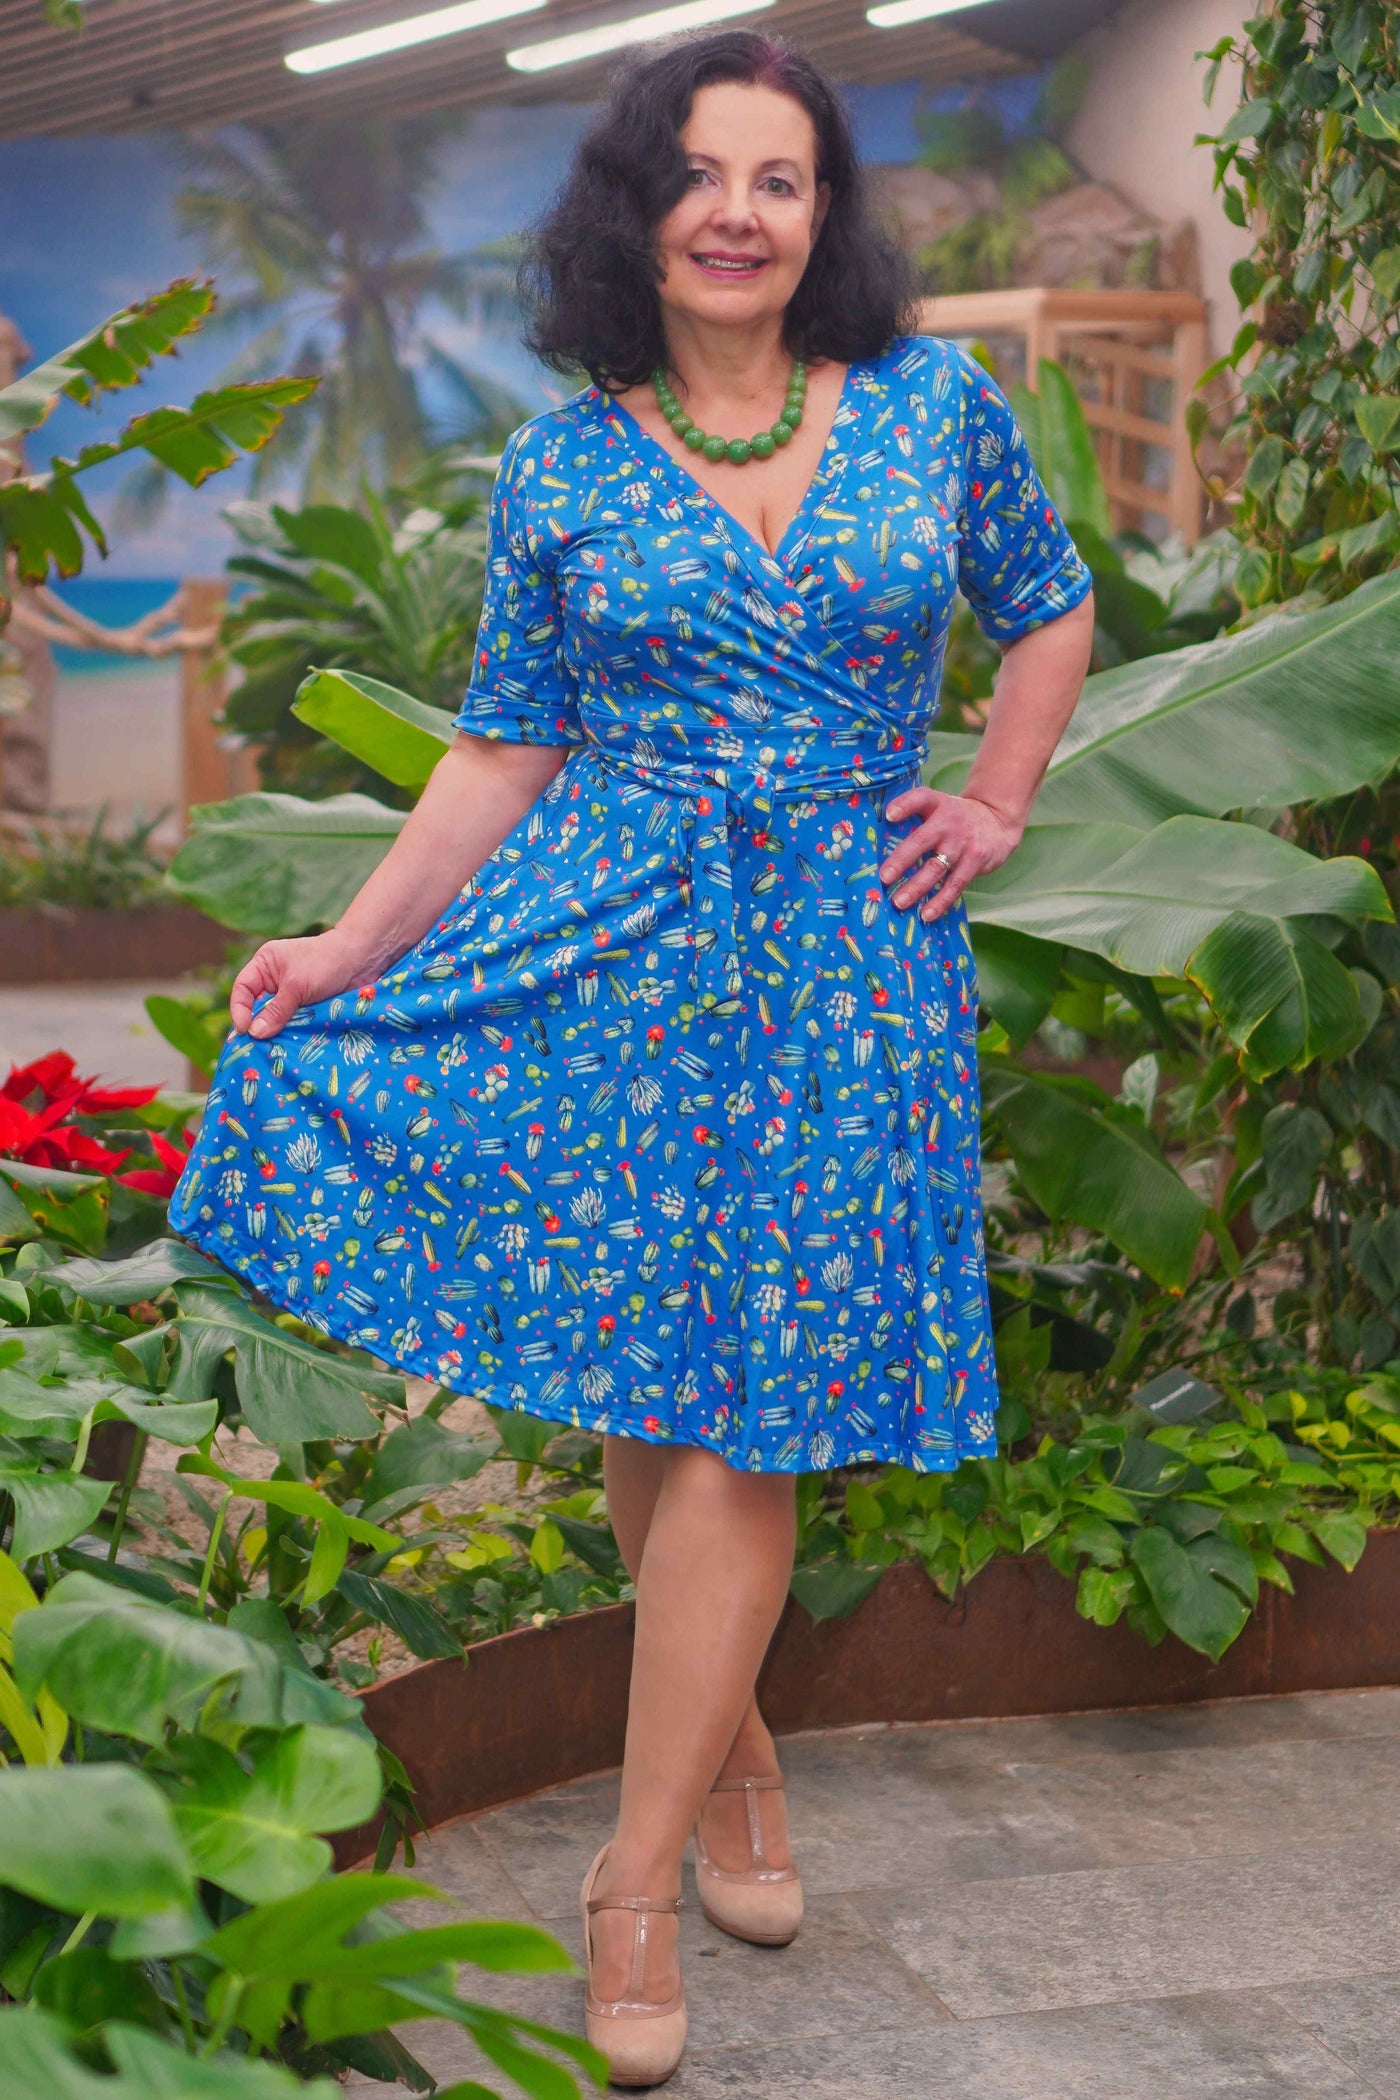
637,1087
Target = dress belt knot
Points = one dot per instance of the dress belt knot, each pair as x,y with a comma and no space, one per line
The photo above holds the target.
715,806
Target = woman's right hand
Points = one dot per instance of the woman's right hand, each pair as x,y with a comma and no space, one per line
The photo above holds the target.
297,973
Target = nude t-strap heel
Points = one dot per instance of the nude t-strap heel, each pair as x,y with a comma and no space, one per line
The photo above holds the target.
758,1902
641,2041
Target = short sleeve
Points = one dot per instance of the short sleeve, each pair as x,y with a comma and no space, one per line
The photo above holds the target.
1018,568
521,687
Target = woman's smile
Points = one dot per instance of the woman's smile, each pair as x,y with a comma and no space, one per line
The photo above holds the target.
717,264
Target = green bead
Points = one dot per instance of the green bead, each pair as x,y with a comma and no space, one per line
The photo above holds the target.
714,446
695,438
738,450
763,445
792,416
782,432
681,422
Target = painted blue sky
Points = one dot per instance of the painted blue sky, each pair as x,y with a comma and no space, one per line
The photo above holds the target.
88,225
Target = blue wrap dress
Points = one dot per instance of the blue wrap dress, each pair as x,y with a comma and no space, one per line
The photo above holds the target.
669,1126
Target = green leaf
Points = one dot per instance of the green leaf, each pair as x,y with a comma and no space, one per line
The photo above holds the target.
144,1274
1062,445
289,1391
382,727
1276,991
114,355
118,1662
1378,420
51,1509
1385,274
832,1589
256,1832
1343,1534
1148,900
43,517
419,1625
274,864
1079,1163
95,1837
422,1453
1200,1608
38,2056
1298,707
1017,977
1249,121
197,1036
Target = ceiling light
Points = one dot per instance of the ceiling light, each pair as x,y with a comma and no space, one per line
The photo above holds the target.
398,36
607,36
892,13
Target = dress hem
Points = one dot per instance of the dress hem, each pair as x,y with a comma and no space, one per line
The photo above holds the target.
255,1269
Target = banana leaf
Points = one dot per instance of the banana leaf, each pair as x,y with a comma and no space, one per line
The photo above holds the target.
275,864
374,722
1078,1161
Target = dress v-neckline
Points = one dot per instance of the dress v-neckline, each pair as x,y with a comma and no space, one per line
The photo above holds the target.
822,474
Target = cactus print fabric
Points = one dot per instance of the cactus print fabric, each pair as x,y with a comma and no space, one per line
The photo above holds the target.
669,1127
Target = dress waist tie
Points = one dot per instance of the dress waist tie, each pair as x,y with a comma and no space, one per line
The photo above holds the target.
716,806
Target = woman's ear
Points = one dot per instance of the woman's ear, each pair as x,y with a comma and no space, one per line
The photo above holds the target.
820,209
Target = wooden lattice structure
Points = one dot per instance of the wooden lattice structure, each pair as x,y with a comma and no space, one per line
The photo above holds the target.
1133,357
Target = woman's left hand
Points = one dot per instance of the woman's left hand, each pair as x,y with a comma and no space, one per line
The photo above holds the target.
973,837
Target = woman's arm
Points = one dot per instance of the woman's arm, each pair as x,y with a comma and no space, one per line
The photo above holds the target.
1037,688
478,792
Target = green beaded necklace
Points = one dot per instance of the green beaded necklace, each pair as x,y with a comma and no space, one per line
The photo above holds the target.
762,445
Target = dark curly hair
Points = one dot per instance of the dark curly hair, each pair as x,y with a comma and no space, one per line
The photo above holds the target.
587,280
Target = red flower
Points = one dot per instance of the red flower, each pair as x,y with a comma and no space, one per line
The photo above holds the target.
55,1079
161,1180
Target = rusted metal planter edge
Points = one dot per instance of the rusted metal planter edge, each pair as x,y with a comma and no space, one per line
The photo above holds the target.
68,944
540,1706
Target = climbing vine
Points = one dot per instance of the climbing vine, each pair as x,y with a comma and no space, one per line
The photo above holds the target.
1311,160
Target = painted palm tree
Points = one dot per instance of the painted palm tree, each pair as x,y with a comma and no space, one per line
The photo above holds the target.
319,232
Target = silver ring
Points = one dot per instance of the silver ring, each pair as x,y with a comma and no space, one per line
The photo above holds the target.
944,858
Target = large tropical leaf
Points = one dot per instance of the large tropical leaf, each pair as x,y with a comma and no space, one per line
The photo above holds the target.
1294,709
1080,1161
97,1837
1148,900
274,864
376,723
121,1663
257,1832
290,1391
1062,446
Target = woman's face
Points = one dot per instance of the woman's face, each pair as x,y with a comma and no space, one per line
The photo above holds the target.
734,248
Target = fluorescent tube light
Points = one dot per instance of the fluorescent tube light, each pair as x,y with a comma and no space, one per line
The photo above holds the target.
607,36
398,36
892,13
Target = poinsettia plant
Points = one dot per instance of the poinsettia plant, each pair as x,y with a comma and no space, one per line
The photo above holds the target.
47,1118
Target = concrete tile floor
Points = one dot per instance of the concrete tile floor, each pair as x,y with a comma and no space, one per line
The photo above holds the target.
1175,1903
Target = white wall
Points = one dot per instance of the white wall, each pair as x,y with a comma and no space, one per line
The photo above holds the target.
1143,107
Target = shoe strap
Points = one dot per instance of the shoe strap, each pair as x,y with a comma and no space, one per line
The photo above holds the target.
636,1902
643,1906
757,1856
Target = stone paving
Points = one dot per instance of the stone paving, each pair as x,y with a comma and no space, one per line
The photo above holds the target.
1167,1903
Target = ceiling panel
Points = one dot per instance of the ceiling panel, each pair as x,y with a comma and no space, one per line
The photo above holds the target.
155,64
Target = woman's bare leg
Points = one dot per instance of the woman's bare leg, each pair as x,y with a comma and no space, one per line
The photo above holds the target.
633,1471
711,1580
